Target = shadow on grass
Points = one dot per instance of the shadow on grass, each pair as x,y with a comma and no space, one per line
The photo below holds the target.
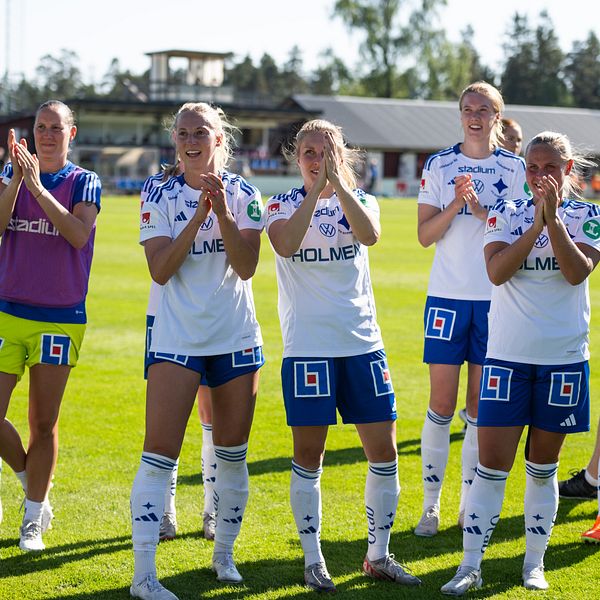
343,456
273,576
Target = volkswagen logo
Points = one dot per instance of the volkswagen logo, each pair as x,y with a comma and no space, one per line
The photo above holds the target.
207,224
327,229
478,185
542,241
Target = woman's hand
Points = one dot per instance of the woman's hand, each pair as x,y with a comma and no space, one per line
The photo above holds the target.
549,193
213,195
332,161
30,168
12,154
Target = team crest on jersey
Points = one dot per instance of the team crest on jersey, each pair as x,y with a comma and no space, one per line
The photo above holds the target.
564,389
344,226
382,378
592,229
500,185
55,349
246,358
440,323
495,383
311,379
254,211
327,229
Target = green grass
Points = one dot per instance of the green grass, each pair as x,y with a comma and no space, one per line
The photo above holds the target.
89,550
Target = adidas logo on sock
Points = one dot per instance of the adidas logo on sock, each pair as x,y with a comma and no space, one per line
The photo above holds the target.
569,421
181,217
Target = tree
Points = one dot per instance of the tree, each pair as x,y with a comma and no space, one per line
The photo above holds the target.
291,75
583,72
533,73
332,76
387,41
61,77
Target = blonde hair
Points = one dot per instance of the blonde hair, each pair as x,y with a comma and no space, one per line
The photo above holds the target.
351,157
218,120
561,143
495,97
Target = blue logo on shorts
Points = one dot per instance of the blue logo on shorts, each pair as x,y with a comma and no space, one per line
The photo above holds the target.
440,323
495,383
382,380
55,349
311,379
246,358
564,389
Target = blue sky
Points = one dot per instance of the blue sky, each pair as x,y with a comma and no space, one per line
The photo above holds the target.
126,29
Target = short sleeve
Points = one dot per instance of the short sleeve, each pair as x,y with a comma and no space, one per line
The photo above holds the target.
497,227
429,189
7,173
278,208
589,232
154,217
87,189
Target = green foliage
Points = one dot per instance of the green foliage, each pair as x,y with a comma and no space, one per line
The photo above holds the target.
583,72
89,553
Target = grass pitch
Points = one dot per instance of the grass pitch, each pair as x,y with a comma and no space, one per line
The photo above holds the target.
89,552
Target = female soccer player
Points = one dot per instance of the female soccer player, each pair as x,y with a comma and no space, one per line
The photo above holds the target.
333,352
168,523
48,209
539,254
458,187
201,234
512,136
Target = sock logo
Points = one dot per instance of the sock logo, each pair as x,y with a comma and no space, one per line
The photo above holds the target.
564,389
495,383
372,538
311,379
149,516
440,323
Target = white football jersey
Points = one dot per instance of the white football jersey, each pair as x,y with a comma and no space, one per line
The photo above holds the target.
326,305
537,317
458,269
205,308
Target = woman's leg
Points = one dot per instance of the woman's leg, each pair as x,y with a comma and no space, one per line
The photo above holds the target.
232,411
435,442
305,500
382,491
209,472
11,446
170,397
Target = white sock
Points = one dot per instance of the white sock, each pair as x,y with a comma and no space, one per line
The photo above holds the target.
230,495
170,491
470,458
209,468
22,477
147,507
382,491
435,446
33,511
590,479
541,506
305,499
482,512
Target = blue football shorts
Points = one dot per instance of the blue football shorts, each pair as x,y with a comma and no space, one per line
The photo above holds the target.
455,331
214,370
360,387
550,397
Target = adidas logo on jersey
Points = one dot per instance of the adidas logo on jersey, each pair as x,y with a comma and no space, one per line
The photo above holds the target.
181,217
569,421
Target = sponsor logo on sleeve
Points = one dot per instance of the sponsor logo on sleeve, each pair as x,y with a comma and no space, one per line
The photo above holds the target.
422,186
254,211
591,229
492,225
146,218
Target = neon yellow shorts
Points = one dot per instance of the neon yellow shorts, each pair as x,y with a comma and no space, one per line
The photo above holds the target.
26,343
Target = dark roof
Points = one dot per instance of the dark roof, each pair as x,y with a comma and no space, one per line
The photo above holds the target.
191,54
423,125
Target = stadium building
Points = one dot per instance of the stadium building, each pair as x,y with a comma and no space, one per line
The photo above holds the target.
125,141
